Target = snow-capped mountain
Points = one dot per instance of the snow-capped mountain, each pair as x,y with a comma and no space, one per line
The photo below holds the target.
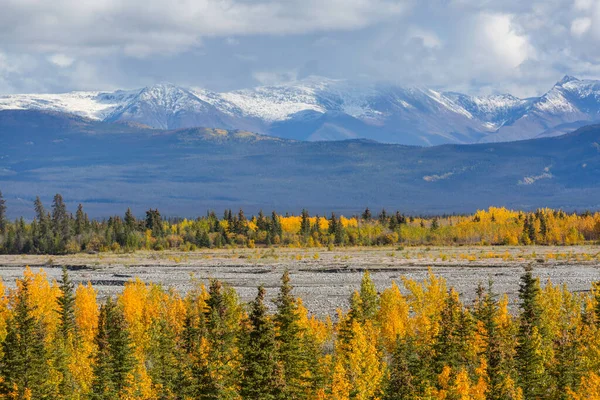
325,109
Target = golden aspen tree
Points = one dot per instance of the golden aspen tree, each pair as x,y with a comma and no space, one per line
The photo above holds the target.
392,316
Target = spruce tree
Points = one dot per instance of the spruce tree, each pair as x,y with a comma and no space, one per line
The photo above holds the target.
407,372
114,359
24,366
166,360
530,364
65,345
487,312
130,221
366,215
221,333
261,373
297,352
305,224
80,220
60,223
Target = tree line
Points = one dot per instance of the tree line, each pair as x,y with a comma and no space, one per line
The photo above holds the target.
58,341
58,231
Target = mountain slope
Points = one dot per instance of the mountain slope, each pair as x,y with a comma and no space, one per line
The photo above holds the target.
325,109
186,171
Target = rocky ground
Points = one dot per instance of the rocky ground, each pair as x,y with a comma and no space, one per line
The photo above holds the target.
324,279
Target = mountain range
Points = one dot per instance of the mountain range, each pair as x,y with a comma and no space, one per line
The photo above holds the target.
321,109
109,166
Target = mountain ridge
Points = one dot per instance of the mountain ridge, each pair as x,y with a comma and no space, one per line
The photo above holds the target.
327,109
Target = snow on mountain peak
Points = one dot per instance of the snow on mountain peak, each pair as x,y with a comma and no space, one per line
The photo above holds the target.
379,111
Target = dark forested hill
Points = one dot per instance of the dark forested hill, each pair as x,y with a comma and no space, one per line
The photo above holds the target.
110,166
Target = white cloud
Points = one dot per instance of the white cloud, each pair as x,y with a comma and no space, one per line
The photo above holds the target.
61,60
500,40
268,78
581,26
144,27
468,45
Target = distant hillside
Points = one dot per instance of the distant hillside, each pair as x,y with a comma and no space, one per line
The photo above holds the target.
109,166
317,109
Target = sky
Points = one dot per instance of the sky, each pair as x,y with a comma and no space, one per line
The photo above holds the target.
472,46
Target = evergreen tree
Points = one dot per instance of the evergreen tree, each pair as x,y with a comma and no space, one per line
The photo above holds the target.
531,232
80,220
241,224
60,223
305,224
261,374
530,364
42,241
130,221
202,238
452,342
296,351
261,222
167,363
215,375
366,215
383,217
66,337
276,229
487,312
114,360
24,367
407,372
154,223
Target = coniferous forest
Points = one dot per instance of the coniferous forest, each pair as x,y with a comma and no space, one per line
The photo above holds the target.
56,230
414,340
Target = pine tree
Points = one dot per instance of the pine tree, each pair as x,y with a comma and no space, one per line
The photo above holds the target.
407,375
296,351
276,229
452,342
60,223
532,374
202,239
114,358
305,224
261,374
487,313
24,367
130,221
80,219
366,215
531,232
66,334
215,374
42,241
167,363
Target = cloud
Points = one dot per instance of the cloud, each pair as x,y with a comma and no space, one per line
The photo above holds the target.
477,46
581,26
500,42
144,27
61,60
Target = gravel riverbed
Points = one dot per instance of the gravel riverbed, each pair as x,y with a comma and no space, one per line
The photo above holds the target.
324,279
